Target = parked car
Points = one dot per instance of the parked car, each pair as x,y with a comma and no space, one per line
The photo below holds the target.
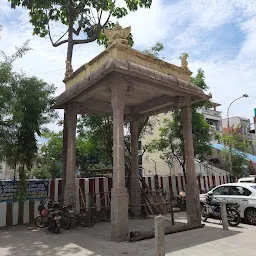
251,179
242,193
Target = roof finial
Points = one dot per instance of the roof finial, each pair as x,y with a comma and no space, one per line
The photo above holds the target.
117,34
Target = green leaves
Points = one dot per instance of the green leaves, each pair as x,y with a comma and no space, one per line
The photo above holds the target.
155,50
88,16
133,5
170,141
236,146
25,106
120,12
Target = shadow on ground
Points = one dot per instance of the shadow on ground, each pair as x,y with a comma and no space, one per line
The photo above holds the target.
96,241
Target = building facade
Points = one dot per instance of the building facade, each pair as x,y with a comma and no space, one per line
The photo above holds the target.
153,164
242,126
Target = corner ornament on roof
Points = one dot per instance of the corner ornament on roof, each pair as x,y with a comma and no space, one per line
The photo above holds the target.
184,62
117,34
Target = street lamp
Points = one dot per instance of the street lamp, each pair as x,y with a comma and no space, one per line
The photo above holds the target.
230,153
247,129
243,96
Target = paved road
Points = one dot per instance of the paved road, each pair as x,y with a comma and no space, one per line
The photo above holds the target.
211,240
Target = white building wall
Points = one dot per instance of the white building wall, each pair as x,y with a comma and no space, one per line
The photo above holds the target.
153,164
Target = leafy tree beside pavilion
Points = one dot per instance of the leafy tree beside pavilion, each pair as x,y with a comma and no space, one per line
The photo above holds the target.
170,142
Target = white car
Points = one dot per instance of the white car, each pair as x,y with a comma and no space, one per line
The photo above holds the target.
242,193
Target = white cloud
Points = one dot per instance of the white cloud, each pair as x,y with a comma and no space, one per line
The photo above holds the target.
184,25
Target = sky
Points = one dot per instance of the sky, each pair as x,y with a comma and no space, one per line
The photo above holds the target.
218,35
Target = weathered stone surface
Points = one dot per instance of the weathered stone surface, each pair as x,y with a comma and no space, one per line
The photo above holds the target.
155,80
192,191
135,183
224,217
119,196
70,188
159,236
124,52
119,214
122,81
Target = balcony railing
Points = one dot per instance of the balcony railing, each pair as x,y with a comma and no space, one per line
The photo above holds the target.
211,112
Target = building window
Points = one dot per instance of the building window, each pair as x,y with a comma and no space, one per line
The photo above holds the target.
139,145
140,159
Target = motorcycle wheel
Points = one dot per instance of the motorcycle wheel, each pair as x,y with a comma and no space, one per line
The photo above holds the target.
39,222
182,206
233,217
204,215
65,220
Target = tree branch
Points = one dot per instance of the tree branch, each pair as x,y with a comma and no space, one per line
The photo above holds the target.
85,41
99,18
127,147
110,13
143,124
57,43
145,149
92,14
61,37
77,32
176,156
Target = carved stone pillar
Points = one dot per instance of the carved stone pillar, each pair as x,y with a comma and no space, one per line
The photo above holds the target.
135,183
192,192
119,195
70,189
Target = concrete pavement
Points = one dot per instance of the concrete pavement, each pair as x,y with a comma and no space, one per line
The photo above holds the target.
211,240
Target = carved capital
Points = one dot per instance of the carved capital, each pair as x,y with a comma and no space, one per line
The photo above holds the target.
119,89
182,102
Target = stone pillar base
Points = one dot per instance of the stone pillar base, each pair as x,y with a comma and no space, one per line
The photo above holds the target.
119,215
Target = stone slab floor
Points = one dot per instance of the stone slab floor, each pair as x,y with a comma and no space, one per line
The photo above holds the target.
211,240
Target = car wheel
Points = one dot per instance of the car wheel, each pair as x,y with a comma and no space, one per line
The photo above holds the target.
250,215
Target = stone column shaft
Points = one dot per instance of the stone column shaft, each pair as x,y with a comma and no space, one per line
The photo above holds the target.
70,189
192,191
135,183
119,196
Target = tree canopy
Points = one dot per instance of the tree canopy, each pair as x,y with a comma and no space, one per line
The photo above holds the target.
25,106
236,146
170,142
84,19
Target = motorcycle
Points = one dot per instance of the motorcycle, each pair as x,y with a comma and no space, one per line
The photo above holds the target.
212,209
50,210
48,218
67,213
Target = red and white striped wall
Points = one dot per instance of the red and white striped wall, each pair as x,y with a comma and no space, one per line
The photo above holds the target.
177,183
15,213
96,192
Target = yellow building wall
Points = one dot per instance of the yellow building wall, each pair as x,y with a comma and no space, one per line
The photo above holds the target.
151,162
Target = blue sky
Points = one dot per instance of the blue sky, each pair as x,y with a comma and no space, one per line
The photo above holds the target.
218,35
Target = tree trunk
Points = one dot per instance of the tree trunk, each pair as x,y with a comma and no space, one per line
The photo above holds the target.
69,58
147,234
